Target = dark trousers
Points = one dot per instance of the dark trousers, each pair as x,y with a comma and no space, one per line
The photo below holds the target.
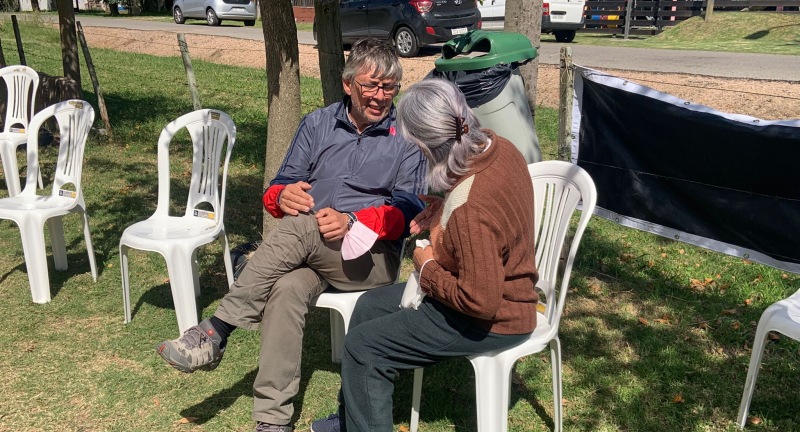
384,339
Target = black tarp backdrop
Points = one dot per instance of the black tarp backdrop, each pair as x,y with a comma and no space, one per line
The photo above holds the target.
725,182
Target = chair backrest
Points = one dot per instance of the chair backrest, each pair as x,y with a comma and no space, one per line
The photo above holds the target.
22,83
209,131
559,188
74,118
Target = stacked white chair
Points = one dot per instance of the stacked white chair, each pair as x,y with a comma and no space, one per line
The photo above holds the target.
782,317
559,188
177,237
30,211
22,83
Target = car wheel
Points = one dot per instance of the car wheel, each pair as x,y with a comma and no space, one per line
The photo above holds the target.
177,15
249,23
564,35
211,17
406,42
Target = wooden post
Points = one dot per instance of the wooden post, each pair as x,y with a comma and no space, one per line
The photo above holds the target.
101,102
566,88
2,56
628,11
709,10
19,40
187,64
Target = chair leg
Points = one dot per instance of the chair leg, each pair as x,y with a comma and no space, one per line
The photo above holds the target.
126,286
87,235
182,268
8,153
338,332
416,399
56,227
195,274
752,375
491,393
555,362
32,231
226,256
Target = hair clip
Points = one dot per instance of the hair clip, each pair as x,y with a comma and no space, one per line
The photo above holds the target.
461,128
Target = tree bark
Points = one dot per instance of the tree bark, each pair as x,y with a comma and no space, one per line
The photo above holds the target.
69,41
329,47
283,86
35,6
525,16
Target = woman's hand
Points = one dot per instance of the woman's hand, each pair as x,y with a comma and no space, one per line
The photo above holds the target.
421,255
426,218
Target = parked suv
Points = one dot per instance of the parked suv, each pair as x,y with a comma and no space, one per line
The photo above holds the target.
214,11
410,24
560,17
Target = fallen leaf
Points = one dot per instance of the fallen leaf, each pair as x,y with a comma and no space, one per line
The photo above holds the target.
663,255
564,401
719,276
753,420
735,325
730,312
651,263
784,276
748,302
746,261
186,420
702,325
773,336
681,251
677,399
662,321
156,402
402,428
626,257
643,321
757,279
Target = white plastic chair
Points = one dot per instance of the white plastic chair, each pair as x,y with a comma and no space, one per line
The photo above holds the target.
343,302
30,211
22,83
177,238
559,187
783,317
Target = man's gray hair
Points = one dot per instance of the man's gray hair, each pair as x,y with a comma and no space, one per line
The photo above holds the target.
434,115
371,54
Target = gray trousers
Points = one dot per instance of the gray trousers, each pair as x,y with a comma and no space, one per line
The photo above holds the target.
383,339
292,266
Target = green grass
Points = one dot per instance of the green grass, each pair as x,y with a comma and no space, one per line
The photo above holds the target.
748,32
645,348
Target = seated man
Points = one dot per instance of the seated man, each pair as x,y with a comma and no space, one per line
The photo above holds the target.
346,165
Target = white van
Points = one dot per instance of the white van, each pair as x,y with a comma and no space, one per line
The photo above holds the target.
560,17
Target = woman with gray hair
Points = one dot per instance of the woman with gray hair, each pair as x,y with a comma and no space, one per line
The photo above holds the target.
478,274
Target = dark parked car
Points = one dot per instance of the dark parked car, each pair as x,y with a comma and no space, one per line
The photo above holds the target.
410,24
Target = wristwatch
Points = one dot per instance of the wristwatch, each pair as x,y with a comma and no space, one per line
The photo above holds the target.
351,219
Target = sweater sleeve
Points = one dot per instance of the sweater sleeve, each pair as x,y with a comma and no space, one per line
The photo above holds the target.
476,287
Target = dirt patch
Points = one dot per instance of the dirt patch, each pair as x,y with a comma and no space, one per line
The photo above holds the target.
759,98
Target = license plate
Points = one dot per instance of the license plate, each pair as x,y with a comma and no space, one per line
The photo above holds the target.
458,31
557,17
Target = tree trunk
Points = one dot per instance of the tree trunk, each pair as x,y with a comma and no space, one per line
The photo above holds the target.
69,41
329,47
35,6
525,16
283,86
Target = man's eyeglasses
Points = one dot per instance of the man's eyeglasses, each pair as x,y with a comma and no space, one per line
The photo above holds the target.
389,90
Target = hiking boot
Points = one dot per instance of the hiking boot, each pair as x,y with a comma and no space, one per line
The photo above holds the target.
328,424
266,427
198,348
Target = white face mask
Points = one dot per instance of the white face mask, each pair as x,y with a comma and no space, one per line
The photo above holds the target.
358,241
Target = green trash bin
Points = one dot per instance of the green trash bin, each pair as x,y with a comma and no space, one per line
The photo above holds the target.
485,66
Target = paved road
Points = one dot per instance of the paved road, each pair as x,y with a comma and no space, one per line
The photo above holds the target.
719,64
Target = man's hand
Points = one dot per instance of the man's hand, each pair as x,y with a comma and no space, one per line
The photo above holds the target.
427,216
294,199
332,224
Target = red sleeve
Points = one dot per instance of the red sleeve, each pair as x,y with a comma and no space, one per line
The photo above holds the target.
386,220
270,200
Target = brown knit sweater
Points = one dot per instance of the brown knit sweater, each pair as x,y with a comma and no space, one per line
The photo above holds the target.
484,265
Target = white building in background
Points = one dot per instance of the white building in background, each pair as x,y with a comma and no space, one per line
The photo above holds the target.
50,5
